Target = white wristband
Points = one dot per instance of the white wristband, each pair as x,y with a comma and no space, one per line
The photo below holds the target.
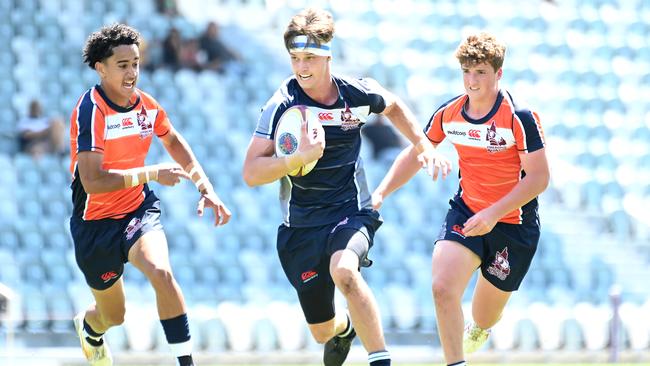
192,171
134,180
200,182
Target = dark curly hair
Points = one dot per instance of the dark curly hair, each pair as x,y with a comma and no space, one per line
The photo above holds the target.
99,45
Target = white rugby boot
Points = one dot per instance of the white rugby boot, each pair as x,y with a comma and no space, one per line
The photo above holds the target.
96,356
474,337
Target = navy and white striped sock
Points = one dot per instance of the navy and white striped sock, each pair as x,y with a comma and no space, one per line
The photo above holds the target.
95,339
177,332
379,358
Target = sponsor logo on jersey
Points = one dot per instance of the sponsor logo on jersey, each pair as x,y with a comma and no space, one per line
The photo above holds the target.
127,122
325,116
456,132
500,267
113,126
474,134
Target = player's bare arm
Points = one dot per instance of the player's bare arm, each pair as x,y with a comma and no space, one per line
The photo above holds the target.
404,120
262,167
532,185
180,151
95,179
403,169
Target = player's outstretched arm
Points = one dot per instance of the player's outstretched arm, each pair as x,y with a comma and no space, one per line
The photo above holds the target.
181,152
97,180
402,118
403,169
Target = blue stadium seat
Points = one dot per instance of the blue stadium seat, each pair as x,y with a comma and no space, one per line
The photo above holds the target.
572,335
214,335
264,337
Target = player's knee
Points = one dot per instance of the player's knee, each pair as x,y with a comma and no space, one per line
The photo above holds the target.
161,278
441,291
345,279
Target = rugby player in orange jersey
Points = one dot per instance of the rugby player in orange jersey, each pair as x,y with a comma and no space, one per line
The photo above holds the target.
493,221
116,216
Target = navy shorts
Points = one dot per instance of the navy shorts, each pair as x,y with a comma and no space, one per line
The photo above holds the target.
506,252
305,257
102,246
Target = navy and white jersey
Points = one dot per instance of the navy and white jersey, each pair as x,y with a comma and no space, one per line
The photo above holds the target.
337,186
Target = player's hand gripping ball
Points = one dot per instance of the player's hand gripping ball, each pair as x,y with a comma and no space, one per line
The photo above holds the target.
289,137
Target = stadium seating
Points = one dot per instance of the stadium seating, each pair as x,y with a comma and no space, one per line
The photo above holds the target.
584,67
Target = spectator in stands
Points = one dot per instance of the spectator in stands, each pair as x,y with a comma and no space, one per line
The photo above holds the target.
189,55
382,136
492,223
217,54
329,224
116,216
39,134
171,49
167,7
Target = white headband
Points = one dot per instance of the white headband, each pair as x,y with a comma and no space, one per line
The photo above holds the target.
302,44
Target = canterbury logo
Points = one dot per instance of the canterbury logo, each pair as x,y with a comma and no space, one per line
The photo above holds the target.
308,276
325,116
475,134
108,276
458,230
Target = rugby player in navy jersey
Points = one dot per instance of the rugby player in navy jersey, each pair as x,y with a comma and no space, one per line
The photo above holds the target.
329,223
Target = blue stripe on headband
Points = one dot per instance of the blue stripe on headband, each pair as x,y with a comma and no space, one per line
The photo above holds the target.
310,45
302,43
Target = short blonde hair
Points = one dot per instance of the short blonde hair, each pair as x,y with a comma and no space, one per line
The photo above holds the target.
480,48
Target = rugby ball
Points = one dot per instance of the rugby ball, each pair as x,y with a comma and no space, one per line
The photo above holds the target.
287,135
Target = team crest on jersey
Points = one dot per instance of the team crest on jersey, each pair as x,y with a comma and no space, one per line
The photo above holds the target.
497,143
348,120
146,129
288,143
500,267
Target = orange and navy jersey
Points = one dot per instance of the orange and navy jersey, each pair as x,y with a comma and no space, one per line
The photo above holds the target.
488,150
123,136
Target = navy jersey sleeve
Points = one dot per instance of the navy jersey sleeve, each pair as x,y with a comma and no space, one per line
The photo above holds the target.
529,124
269,116
90,122
377,95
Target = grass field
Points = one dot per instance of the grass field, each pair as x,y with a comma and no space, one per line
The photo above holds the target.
481,364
